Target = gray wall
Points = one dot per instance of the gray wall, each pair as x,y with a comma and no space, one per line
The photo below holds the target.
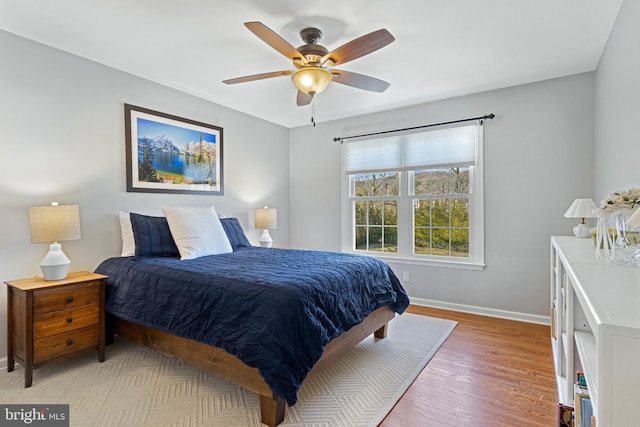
617,145
538,155
62,139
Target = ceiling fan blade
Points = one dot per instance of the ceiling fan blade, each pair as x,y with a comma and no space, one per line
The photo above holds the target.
303,99
359,47
271,38
258,77
359,81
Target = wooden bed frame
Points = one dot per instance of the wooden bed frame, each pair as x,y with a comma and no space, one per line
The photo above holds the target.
217,361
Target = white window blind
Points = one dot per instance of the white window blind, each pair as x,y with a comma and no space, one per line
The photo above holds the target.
450,146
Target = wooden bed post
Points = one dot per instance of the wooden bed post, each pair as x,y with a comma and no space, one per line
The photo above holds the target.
272,410
382,332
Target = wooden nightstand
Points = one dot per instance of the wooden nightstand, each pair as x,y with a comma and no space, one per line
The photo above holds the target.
49,321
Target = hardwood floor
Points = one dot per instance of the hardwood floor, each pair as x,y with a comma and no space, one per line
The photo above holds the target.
490,372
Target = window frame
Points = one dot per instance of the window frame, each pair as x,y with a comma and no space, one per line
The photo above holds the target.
405,227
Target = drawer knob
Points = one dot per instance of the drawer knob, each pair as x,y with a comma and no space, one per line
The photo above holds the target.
69,320
69,299
70,342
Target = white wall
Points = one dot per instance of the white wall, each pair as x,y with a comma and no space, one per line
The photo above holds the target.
62,139
617,145
538,158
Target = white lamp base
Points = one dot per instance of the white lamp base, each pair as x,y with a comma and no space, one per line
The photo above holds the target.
265,240
55,264
582,230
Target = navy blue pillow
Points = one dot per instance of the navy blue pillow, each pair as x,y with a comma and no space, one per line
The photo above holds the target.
235,233
152,236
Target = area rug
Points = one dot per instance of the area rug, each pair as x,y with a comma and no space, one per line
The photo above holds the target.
137,386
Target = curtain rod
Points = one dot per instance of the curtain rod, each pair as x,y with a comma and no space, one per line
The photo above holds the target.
470,119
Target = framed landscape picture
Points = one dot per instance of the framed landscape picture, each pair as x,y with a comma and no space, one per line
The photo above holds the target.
170,154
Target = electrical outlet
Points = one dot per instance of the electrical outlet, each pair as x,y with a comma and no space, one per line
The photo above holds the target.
405,276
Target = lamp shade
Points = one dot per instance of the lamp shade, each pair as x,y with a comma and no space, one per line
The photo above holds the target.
312,80
581,208
267,218
635,218
54,223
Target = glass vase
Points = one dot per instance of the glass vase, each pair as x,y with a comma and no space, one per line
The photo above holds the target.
616,241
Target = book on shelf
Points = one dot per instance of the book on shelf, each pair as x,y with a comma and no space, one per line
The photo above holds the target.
586,418
580,379
583,412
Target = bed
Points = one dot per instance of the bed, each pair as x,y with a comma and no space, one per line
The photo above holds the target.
260,317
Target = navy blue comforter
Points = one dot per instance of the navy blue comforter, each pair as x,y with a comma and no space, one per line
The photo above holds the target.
275,309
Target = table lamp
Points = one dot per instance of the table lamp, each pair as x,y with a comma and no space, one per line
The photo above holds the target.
53,224
581,208
266,219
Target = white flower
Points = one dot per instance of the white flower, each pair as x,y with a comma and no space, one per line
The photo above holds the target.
628,199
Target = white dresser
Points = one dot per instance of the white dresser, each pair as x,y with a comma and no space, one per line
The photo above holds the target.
595,327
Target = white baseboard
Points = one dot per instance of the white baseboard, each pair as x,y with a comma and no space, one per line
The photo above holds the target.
491,312
3,364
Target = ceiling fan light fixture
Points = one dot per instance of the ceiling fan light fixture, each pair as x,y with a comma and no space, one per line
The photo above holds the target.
312,80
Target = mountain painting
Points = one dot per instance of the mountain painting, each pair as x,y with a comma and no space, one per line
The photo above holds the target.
169,155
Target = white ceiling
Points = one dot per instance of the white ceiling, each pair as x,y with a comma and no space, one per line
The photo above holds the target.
442,49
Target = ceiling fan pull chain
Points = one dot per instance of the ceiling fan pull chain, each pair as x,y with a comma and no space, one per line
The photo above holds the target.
313,111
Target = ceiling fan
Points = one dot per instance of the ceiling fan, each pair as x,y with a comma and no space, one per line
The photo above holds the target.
313,61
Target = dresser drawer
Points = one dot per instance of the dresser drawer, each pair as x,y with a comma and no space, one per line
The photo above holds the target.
66,343
60,321
54,299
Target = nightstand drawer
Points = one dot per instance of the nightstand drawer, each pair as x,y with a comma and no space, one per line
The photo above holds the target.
55,299
61,321
67,343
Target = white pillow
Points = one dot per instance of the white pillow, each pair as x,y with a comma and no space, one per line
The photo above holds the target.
128,242
197,231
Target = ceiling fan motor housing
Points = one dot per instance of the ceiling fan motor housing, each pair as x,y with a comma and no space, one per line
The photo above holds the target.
311,50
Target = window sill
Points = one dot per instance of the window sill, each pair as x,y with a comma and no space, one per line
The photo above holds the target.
465,265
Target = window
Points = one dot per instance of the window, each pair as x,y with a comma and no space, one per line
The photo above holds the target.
416,196
376,211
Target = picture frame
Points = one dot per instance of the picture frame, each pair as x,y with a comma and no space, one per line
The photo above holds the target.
171,154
